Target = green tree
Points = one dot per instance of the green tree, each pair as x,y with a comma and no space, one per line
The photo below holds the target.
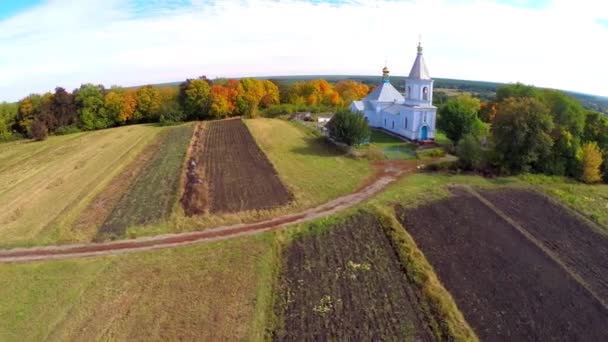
349,128
195,98
567,112
516,90
521,132
90,102
470,154
459,117
8,118
596,129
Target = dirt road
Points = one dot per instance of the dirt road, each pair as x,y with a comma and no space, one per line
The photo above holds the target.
386,173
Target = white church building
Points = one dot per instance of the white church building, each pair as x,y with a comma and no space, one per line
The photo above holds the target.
410,115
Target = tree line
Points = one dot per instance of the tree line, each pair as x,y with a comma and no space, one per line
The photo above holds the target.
527,129
92,107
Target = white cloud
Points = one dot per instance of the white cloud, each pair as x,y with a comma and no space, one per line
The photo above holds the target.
67,43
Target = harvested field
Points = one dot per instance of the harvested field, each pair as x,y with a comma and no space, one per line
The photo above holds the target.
506,287
154,192
45,185
346,284
229,169
583,249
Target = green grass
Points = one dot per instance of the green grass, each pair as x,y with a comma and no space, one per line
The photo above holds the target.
312,170
391,147
154,193
45,185
215,291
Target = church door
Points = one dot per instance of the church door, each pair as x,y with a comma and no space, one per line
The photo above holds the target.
424,133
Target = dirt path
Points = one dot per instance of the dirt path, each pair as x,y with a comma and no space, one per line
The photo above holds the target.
386,173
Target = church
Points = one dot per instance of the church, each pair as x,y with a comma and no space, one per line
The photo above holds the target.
410,115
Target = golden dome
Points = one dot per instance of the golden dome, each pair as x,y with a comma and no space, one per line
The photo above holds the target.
385,70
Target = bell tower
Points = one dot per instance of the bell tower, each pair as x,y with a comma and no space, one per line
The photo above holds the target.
419,85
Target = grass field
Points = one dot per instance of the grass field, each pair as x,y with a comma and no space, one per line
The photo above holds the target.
211,292
44,185
305,163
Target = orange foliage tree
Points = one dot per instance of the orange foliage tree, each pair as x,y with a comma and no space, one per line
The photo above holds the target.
351,91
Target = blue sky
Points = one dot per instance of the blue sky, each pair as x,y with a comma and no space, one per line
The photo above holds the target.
49,43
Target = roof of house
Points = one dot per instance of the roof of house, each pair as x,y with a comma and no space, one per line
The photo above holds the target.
358,105
385,92
419,70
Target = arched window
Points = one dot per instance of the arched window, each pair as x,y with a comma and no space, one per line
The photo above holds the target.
405,123
425,94
384,122
409,92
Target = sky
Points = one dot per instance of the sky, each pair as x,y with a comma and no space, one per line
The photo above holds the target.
47,43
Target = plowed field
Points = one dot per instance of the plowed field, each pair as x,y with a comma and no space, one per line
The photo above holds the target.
346,284
227,172
507,288
584,250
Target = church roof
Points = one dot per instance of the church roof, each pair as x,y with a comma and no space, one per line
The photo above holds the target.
419,70
358,105
394,109
384,92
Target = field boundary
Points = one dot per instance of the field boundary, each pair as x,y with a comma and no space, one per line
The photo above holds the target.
536,242
388,175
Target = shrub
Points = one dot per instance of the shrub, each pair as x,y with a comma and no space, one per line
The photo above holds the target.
64,130
348,128
374,153
39,130
430,153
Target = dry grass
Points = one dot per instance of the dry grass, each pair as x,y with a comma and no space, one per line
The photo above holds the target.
45,185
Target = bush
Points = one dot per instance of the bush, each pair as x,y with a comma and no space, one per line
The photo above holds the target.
430,153
348,128
39,130
64,130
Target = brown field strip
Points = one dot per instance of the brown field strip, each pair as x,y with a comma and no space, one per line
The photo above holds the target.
346,283
507,288
228,172
582,249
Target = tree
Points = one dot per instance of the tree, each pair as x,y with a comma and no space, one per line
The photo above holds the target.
8,118
459,117
90,101
596,129
148,104
26,113
64,107
350,91
592,161
251,92
271,94
567,112
518,90
521,133
223,101
195,98
171,113
44,112
349,128
469,152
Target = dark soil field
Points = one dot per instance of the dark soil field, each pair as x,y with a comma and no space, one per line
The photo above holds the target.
506,287
582,249
153,193
229,168
346,284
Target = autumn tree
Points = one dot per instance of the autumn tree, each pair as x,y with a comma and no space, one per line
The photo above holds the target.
350,91
148,104
591,161
90,101
195,98
223,101
26,113
521,133
44,112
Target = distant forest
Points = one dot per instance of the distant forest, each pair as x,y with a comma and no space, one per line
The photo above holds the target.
480,89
